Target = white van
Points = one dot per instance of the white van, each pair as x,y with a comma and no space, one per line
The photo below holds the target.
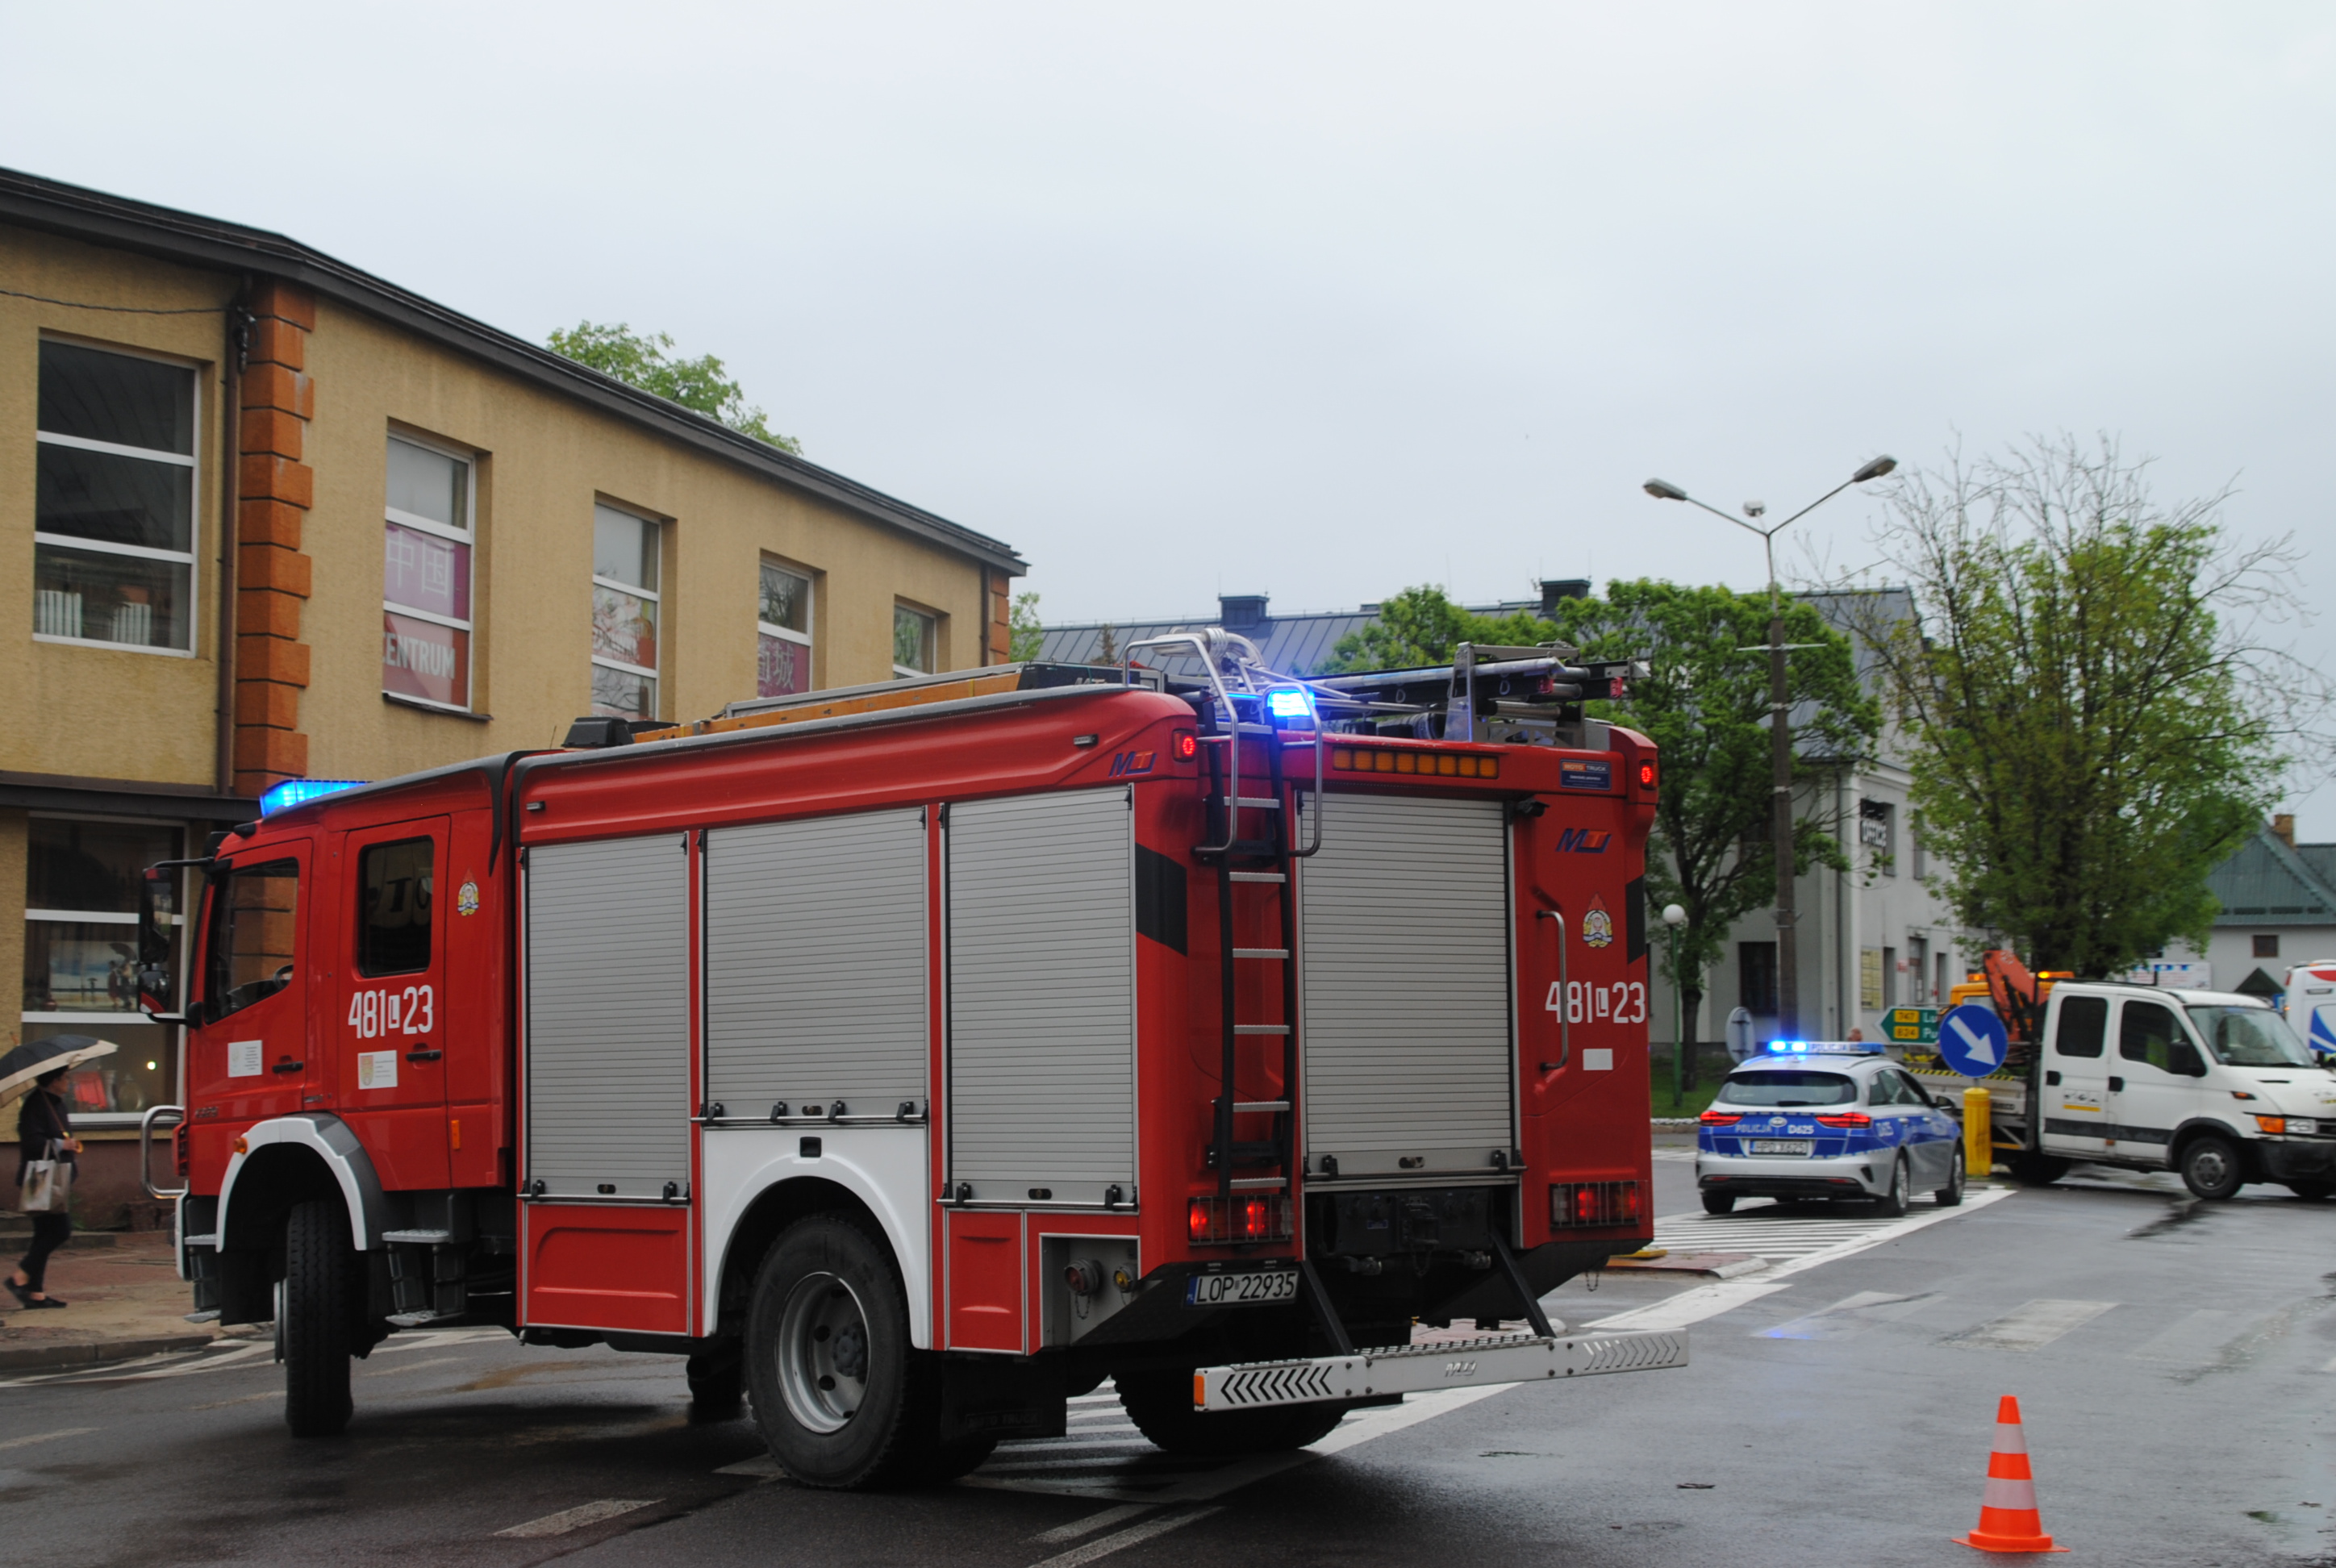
2212,1084
2310,999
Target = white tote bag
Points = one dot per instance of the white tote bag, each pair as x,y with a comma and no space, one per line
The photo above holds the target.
48,1185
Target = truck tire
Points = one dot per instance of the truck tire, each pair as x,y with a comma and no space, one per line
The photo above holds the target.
718,1384
1892,1204
1161,1406
2038,1170
1720,1203
1948,1196
2211,1168
842,1399
316,1324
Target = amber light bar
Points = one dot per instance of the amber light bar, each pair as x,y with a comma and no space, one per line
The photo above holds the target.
1414,760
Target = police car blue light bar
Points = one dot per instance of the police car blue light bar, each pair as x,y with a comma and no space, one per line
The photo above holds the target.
300,791
1286,703
1825,1048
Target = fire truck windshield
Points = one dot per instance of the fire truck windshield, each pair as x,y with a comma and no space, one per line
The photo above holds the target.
249,951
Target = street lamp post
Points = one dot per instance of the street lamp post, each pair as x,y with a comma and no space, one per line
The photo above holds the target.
1675,916
1789,980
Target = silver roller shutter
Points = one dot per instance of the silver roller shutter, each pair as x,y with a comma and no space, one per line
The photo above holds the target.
607,1016
1042,996
815,960
1404,975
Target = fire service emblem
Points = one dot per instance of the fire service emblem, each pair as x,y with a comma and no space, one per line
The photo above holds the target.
1597,925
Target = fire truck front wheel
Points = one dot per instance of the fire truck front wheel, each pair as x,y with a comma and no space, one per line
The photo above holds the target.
1161,1406
317,1318
842,1399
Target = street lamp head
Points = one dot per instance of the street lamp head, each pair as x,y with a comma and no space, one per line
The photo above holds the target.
1756,508
1664,489
1673,915
1874,470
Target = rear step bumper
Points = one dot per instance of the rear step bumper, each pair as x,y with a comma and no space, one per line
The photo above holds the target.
1416,1368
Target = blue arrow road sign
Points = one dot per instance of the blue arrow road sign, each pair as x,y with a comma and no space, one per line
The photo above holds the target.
1972,1041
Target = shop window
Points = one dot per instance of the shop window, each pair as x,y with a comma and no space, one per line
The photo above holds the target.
427,538
625,614
914,635
81,955
1756,976
113,510
782,633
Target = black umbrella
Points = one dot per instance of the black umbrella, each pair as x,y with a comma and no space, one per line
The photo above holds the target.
38,1058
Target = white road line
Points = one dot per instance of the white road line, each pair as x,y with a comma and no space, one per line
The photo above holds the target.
1092,1522
46,1437
2030,1325
1367,1425
1132,1535
1849,1317
576,1518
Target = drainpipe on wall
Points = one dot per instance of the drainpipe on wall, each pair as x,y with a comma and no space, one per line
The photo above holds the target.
1844,946
234,344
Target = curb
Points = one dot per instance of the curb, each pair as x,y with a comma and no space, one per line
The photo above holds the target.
40,1358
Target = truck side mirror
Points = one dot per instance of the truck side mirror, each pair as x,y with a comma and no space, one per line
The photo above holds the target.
2181,1057
158,904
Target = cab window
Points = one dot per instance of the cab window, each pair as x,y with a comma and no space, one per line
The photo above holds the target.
2147,1033
1883,1090
393,908
2083,1028
1787,1087
248,952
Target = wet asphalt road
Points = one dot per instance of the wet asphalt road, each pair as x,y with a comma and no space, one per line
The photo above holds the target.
2174,1360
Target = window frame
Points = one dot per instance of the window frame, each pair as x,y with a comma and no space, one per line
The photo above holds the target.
190,460
932,639
803,638
2266,944
656,596
468,537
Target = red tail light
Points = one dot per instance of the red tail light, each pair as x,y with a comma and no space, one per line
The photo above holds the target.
1846,1119
1646,775
1185,747
1215,1221
1580,1204
1720,1119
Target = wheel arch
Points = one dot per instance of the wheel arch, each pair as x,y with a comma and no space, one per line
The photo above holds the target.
2198,1127
288,1160
765,1219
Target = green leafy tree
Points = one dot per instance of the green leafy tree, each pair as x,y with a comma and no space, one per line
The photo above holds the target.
1705,702
643,361
2094,722
1421,626
1022,626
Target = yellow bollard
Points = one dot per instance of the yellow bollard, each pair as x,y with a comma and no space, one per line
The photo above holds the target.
1979,1137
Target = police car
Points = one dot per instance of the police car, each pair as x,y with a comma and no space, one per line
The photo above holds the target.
1813,1119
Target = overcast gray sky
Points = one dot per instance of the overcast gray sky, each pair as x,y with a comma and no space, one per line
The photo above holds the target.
1320,300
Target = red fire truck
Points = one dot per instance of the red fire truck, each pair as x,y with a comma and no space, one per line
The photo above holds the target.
913,1058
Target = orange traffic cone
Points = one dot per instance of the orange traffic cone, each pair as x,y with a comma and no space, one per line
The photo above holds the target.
2007,1519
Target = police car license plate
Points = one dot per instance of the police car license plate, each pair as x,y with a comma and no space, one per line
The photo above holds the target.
1257,1288
1781,1145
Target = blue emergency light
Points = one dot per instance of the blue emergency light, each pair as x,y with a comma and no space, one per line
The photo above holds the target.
1287,702
1824,1048
300,791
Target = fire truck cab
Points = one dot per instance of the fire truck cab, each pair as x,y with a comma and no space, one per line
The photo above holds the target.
913,1058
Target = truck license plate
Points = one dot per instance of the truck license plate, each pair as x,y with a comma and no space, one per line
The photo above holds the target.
1258,1288
1781,1145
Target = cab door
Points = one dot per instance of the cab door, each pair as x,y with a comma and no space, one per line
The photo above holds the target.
389,1025
2073,1099
2156,1087
250,1056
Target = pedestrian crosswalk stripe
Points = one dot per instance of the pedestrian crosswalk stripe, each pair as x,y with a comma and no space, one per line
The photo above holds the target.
2030,1325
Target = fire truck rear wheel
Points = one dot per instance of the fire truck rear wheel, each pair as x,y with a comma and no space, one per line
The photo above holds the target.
1161,1406
317,1320
842,1399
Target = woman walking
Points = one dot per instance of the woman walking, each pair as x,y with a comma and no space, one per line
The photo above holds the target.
44,1131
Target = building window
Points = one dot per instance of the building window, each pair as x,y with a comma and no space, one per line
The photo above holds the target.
1877,830
1918,966
425,579
1888,978
1916,850
81,955
782,633
914,633
2266,945
114,539
625,613
1756,976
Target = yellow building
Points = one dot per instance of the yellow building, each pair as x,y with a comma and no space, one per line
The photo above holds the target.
266,517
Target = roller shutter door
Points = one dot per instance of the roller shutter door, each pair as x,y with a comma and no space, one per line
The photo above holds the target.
815,963
607,1016
1042,996
1405,991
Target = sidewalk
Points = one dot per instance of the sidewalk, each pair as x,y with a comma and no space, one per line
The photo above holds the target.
126,1299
